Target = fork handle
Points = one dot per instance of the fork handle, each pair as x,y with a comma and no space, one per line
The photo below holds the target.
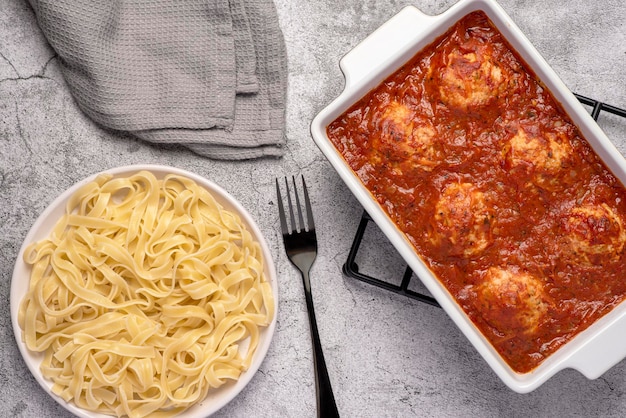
326,406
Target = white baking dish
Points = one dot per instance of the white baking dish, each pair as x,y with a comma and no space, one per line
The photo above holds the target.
594,350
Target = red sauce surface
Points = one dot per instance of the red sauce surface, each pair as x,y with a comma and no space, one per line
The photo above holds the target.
496,189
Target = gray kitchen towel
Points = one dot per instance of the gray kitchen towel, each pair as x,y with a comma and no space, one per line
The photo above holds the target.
208,74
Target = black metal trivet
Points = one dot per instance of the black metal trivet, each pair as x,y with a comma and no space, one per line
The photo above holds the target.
351,268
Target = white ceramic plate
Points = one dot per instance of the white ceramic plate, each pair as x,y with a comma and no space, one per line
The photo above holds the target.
216,399
594,350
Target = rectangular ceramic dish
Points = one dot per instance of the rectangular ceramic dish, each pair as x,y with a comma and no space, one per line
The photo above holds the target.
593,351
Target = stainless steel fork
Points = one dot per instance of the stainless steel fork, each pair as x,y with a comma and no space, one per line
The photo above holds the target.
301,247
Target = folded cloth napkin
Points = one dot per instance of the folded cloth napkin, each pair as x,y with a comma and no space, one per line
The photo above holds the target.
208,74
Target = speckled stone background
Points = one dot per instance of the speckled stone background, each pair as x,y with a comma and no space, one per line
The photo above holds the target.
388,356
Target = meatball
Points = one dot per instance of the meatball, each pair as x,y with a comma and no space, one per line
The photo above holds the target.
511,300
544,155
593,230
403,136
463,220
469,80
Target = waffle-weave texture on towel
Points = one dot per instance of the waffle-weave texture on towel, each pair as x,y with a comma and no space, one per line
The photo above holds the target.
208,74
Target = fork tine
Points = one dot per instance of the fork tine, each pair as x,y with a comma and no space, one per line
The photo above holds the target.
281,211
307,202
294,226
299,207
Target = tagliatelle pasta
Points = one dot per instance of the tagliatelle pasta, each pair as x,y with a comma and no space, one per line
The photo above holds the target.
146,295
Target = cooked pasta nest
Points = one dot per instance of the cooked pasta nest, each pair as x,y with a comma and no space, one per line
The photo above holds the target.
146,295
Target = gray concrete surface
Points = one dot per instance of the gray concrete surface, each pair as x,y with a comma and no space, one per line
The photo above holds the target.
388,356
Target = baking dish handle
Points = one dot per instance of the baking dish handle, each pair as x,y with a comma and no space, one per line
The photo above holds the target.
598,354
382,44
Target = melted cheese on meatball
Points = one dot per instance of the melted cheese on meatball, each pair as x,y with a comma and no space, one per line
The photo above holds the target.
511,300
547,152
594,230
469,79
404,136
463,220
546,155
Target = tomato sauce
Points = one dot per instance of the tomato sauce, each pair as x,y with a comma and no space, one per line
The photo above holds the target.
494,186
